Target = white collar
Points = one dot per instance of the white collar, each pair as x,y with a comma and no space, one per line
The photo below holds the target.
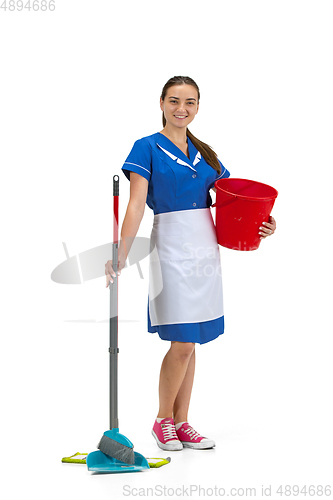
181,162
197,158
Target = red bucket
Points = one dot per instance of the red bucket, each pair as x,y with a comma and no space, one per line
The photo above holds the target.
241,207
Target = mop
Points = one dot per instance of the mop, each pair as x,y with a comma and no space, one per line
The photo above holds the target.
116,450
80,458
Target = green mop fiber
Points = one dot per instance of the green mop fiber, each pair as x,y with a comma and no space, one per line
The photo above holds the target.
80,458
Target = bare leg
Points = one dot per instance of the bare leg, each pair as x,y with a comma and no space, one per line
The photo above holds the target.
182,401
173,371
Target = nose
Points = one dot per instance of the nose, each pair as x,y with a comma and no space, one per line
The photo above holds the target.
182,107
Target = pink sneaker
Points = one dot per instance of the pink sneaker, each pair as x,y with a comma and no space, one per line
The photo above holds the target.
192,439
166,436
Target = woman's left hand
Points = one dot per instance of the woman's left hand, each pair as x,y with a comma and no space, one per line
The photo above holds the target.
267,228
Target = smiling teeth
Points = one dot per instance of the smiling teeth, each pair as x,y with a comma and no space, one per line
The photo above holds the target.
177,116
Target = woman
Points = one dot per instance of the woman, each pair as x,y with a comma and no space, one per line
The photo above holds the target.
172,172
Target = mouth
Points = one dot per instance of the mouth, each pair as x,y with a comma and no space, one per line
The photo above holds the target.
180,117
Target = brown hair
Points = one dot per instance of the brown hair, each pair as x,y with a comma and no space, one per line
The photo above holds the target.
206,151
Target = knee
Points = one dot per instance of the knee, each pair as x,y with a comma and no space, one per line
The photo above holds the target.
182,350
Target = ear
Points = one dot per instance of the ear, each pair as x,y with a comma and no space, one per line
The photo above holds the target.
197,108
161,104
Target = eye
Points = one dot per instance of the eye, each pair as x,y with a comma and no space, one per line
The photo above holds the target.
173,101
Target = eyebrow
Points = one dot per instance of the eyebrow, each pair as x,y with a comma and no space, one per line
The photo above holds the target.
188,99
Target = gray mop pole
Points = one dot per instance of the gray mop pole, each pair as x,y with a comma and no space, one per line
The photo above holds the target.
114,423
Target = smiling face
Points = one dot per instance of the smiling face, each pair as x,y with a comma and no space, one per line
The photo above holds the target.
180,105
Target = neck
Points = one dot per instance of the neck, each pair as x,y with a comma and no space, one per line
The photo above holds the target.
176,135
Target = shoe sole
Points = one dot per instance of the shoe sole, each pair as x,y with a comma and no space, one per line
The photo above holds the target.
198,446
167,447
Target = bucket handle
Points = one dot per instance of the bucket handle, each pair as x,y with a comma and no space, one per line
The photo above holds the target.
234,197
225,203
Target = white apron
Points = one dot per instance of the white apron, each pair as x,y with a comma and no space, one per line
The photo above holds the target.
185,283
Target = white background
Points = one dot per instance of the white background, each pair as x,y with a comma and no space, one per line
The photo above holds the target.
78,86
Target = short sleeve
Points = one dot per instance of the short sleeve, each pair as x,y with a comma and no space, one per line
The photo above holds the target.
224,172
139,160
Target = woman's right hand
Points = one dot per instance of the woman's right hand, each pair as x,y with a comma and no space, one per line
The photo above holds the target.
109,271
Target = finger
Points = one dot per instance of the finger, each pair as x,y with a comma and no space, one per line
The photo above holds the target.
109,268
108,280
265,232
271,223
262,235
267,224
267,229
110,272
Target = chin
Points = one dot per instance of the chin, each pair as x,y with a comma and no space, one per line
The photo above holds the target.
181,124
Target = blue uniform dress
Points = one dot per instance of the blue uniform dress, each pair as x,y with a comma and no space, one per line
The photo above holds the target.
176,182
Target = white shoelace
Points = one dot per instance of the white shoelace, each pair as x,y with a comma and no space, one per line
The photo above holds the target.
169,431
192,433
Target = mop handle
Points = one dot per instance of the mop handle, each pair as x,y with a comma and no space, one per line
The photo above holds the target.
115,208
113,350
